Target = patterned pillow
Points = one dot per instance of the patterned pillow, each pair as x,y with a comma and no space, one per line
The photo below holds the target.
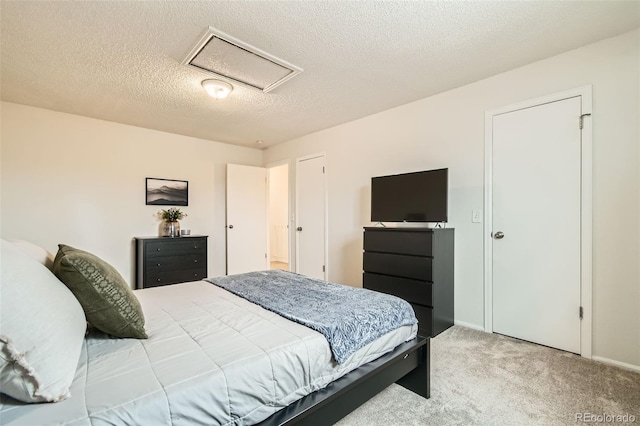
106,298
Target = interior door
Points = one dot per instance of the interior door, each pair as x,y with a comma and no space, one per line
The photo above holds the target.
246,219
536,224
311,217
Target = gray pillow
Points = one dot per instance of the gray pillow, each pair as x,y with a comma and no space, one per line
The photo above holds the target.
108,302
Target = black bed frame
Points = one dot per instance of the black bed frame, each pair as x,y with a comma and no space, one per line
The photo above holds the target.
407,365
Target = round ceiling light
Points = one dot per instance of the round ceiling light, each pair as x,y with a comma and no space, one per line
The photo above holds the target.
217,89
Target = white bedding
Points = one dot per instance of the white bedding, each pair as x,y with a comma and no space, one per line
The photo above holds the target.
211,358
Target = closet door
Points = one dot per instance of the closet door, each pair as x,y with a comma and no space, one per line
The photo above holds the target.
536,186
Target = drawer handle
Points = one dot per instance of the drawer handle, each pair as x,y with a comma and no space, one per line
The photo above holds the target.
158,280
405,356
195,247
158,249
195,275
158,264
195,261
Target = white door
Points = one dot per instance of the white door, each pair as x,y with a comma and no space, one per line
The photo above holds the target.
311,217
536,178
246,219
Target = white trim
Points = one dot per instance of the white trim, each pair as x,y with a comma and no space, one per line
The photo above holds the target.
586,208
586,216
326,211
620,364
267,197
488,222
469,325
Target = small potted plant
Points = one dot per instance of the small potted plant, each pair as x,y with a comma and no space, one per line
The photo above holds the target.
171,226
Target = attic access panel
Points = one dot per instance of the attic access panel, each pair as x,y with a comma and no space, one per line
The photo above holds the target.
220,55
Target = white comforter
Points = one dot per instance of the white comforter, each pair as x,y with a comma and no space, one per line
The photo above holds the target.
211,358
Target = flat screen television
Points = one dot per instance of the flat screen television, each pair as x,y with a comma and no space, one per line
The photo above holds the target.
410,197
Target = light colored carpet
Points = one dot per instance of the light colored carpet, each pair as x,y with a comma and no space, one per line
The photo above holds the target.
279,265
479,378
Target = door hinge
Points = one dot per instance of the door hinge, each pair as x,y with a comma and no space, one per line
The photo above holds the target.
265,255
582,120
323,269
581,312
322,169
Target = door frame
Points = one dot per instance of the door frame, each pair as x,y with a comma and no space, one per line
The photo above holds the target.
586,209
290,219
326,211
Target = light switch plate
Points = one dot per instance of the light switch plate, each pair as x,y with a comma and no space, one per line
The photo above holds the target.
476,216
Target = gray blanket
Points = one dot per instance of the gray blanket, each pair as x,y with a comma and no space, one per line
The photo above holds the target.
348,317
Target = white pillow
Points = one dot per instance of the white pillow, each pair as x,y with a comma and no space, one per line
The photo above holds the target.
35,252
42,329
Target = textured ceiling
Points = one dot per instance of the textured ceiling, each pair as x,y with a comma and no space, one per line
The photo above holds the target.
120,60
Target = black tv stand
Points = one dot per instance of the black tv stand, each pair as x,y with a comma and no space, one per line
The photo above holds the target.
415,264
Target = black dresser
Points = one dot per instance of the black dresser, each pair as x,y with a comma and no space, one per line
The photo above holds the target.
164,260
415,264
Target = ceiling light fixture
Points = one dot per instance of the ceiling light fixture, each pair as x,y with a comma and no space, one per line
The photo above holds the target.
217,89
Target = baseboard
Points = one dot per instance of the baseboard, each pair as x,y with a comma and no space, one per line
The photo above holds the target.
615,363
279,259
468,325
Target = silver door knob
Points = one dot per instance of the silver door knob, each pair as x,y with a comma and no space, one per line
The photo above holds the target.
498,235
230,226
299,228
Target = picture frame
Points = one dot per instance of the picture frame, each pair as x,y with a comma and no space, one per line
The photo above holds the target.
166,192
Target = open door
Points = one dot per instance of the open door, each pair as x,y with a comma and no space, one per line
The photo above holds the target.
311,217
246,219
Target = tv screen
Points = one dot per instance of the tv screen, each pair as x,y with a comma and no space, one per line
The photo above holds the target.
410,197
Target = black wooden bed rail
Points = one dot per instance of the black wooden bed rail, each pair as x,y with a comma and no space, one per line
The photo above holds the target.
408,365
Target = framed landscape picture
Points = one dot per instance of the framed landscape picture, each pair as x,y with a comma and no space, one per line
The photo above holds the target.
167,192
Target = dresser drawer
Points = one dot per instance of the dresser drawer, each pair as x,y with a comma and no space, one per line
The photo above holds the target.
398,265
174,263
417,243
155,279
407,289
175,247
425,319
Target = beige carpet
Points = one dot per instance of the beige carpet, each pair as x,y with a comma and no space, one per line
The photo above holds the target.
479,378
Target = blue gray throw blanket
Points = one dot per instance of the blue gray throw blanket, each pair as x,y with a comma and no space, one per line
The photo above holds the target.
348,317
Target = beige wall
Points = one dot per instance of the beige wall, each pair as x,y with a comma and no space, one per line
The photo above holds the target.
80,181
447,130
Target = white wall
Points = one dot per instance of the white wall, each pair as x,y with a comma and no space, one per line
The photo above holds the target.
80,181
447,130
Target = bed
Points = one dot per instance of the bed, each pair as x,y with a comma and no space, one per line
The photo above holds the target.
213,357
